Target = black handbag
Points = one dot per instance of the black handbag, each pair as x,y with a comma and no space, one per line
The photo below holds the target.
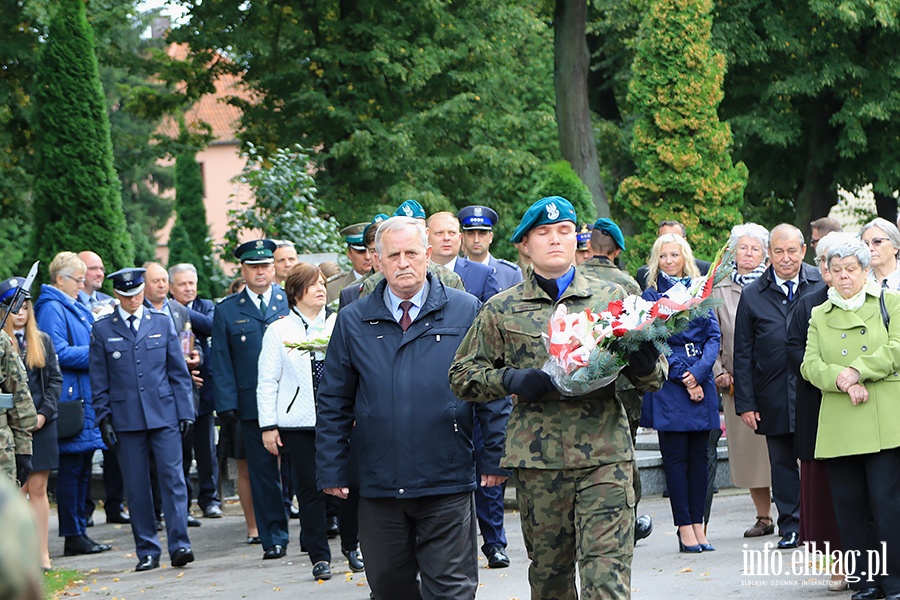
70,414
70,420
885,316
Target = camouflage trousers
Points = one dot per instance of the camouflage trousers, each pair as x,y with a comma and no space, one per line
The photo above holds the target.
633,402
583,515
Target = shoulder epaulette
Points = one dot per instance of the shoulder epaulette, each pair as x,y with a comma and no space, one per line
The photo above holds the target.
337,276
509,264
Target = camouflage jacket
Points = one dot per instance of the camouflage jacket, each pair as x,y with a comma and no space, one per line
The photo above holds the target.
16,422
603,269
445,275
556,432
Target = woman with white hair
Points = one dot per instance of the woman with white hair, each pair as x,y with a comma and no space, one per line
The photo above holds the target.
686,409
818,525
853,356
883,239
748,457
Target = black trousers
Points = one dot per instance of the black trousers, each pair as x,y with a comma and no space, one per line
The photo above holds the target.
300,445
866,493
434,537
785,481
201,444
265,485
113,486
684,455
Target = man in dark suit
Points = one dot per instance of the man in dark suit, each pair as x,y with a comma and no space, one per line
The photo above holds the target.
156,296
765,388
445,240
143,400
238,326
202,441
113,486
676,227
478,233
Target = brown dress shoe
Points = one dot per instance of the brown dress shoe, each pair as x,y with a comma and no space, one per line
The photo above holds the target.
763,526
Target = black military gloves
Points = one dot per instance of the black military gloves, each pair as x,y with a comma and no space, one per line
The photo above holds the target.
108,433
185,426
644,360
527,384
23,467
228,417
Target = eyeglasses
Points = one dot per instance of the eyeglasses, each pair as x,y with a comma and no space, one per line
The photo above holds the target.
79,280
814,241
876,242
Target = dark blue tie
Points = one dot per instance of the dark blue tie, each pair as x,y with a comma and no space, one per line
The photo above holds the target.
131,321
790,287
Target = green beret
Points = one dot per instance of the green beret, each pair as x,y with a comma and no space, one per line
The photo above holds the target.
609,226
553,209
410,208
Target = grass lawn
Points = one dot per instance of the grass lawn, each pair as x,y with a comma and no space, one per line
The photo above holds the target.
58,580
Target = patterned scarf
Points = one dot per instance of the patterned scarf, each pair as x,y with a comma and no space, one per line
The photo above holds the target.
747,278
685,281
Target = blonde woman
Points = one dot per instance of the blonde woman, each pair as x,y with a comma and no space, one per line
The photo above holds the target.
686,409
45,384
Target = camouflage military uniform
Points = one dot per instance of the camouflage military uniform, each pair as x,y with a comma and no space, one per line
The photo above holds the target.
601,268
17,422
572,457
20,567
446,276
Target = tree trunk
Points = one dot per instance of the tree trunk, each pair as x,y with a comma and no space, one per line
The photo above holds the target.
573,115
816,195
886,207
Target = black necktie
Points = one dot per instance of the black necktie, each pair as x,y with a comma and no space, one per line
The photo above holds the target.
790,287
405,320
131,323
20,337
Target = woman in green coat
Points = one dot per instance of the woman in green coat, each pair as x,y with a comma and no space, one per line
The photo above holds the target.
853,356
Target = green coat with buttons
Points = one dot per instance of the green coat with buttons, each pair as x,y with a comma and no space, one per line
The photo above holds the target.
838,339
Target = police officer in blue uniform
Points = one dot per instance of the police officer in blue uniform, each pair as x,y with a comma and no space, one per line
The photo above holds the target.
238,326
478,232
144,402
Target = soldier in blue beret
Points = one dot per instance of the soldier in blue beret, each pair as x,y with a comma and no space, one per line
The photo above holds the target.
143,398
411,209
478,233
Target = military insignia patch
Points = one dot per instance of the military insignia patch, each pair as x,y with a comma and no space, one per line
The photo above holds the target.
552,211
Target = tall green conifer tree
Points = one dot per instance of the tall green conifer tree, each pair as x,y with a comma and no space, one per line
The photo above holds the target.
681,149
191,217
77,196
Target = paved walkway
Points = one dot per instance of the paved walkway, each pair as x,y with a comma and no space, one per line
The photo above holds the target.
227,568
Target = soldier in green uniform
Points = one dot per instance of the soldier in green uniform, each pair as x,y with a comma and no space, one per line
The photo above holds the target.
606,243
18,417
20,567
571,456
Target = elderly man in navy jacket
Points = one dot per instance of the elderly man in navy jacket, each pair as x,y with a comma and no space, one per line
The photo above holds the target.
143,401
386,372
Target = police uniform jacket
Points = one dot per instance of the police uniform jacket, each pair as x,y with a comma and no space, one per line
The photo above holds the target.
555,432
507,274
68,323
478,278
762,380
141,379
694,350
201,313
413,435
238,328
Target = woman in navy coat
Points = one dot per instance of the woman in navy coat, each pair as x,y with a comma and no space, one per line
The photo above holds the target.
68,323
686,409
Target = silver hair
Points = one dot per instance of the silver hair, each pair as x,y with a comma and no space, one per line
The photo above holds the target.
832,239
399,224
853,247
785,228
66,264
181,268
283,244
750,230
887,227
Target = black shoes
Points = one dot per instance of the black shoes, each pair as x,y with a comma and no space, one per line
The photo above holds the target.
83,545
276,551
293,512
182,556
643,527
253,540
790,540
496,556
147,563
193,521
333,528
213,512
872,593
321,570
118,516
355,560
